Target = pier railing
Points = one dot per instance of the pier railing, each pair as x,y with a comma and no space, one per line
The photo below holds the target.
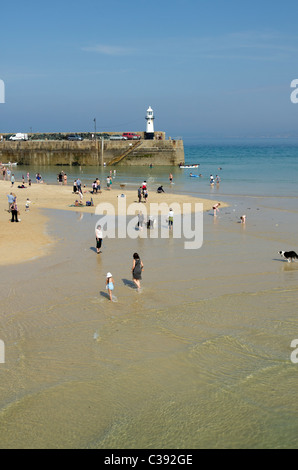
118,159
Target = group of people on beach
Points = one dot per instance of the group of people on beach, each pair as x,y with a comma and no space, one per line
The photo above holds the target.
13,207
137,266
6,172
143,192
62,178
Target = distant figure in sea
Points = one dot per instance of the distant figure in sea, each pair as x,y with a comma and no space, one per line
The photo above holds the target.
211,179
110,285
137,268
216,208
243,219
171,178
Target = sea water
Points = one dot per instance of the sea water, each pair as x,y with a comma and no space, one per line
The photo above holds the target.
201,358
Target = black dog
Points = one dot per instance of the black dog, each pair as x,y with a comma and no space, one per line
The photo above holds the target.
289,255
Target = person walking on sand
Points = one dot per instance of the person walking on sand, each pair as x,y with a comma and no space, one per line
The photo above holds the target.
79,185
27,205
215,208
171,218
98,235
140,220
110,284
144,186
12,180
137,268
145,195
140,194
11,199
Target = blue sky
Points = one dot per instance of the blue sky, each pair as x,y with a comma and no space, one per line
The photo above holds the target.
207,68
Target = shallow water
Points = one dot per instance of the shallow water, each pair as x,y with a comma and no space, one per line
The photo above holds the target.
199,359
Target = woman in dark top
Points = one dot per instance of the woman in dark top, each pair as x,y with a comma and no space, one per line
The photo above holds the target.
137,268
14,212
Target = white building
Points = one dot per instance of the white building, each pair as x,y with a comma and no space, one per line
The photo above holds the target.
149,134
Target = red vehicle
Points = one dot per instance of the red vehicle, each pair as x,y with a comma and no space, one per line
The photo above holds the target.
131,136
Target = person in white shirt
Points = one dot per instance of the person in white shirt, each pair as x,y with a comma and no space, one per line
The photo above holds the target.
171,218
98,235
27,205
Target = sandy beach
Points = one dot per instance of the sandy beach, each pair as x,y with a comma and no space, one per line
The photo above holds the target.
29,239
200,358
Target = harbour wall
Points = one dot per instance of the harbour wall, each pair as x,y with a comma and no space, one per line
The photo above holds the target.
92,152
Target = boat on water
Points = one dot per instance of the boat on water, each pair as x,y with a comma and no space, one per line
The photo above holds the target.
9,164
189,166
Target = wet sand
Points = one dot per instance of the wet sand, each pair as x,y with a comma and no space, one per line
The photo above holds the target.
199,359
30,238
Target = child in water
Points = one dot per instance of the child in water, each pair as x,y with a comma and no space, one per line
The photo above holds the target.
110,284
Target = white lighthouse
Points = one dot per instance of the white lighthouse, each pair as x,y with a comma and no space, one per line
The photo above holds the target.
149,134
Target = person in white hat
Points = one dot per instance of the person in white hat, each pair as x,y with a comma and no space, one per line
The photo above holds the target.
110,284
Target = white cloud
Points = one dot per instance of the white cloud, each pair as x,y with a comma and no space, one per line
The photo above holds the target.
109,50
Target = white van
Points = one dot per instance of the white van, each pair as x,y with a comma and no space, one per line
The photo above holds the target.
19,136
